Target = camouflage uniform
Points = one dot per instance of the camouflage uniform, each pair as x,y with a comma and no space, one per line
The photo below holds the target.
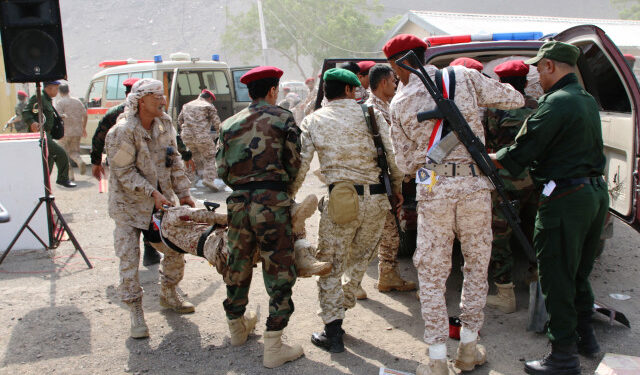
362,94
502,128
258,156
390,241
456,205
138,160
75,120
310,101
19,125
350,157
196,120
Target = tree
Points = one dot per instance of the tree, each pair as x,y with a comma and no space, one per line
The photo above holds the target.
316,29
629,9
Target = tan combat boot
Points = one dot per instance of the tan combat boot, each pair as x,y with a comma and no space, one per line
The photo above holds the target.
139,329
306,264
435,367
360,293
170,299
241,327
390,280
470,355
276,353
505,300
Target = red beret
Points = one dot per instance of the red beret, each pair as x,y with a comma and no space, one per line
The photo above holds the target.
468,62
513,68
310,79
365,66
401,43
210,93
261,72
629,57
130,81
22,93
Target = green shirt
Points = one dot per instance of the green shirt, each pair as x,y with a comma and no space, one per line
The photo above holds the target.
562,139
29,116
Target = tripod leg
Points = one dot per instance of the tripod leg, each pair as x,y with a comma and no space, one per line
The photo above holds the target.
71,236
24,226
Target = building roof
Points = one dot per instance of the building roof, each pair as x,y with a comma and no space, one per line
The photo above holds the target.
622,32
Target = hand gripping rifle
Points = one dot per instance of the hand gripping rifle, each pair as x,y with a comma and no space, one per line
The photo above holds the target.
447,109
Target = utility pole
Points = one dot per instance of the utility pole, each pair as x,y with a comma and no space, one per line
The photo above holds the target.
263,35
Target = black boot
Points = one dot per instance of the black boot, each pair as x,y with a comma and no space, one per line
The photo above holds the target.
563,360
587,343
151,256
331,338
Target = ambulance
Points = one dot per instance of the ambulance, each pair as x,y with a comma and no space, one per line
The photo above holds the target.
183,76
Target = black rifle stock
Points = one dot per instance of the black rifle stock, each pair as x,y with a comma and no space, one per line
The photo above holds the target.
457,123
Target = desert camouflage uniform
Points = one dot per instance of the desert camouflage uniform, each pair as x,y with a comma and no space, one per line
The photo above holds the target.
195,121
310,101
260,144
138,161
339,134
456,206
502,128
390,241
362,94
74,121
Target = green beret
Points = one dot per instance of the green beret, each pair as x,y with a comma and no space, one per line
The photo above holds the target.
556,51
342,75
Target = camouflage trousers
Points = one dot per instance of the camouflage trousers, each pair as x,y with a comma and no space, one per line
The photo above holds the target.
350,248
127,246
501,251
260,220
389,243
204,155
439,222
72,146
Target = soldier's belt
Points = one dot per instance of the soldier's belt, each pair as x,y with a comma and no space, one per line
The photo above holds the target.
373,189
455,170
255,185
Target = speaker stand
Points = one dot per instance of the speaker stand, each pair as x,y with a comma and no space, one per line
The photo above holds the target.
55,234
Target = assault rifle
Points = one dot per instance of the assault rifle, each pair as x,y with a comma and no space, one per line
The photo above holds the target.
385,179
457,123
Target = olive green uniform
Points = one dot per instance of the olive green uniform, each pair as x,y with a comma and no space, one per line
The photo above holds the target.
56,152
562,142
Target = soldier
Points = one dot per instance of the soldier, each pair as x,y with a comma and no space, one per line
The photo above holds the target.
311,96
196,120
501,129
19,124
361,93
351,223
562,145
383,88
452,201
363,76
151,256
75,126
258,157
468,62
56,152
146,173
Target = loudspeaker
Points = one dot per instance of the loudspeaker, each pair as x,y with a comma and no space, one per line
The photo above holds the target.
32,40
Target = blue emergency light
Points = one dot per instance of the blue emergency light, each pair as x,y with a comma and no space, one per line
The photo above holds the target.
535,35
215,57
157,58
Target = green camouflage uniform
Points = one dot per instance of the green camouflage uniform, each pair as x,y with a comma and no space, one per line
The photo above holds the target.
501,130
259,156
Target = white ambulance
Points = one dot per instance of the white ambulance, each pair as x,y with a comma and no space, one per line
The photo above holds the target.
184,78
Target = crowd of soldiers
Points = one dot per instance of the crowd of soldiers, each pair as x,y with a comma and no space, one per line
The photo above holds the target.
263,154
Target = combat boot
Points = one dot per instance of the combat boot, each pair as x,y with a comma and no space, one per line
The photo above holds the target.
390,280
470,355
587,343
331,338
151,256
360,293
435,367
306,264
171,299
505,300
241,327
139,329
277,353
563,360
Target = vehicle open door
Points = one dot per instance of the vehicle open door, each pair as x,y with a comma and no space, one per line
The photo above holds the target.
606,75
241,97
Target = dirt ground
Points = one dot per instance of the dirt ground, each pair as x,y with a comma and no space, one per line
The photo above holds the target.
58,316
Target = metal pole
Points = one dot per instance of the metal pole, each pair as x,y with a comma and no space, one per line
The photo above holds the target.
263,35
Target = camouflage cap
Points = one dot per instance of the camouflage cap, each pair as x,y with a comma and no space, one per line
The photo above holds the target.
342,75
557,51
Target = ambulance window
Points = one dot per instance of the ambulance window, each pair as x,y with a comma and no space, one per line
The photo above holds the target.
601,79
189,84
141,75
222,86
242,92
94,98
115,88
